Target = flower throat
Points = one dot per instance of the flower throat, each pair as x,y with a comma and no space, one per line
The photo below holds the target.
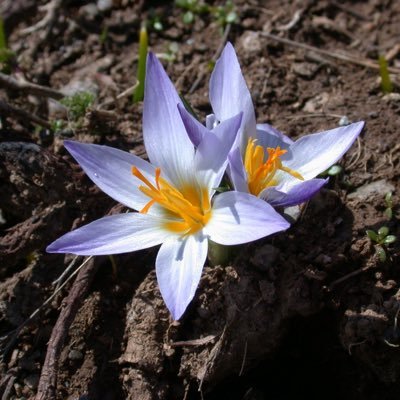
260,173
189,209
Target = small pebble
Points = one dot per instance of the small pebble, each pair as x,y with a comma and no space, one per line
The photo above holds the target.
343,121
75,355
364,192
32,381
104,5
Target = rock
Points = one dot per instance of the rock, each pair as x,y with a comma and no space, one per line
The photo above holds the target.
292,214
32,381
75,86
364,192
250,42
391,98
89,10
75,355
344,121
316,103
104,5
305,69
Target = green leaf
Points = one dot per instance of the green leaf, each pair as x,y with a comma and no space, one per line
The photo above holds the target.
388,199
381,254
222,189
389,239
386,83
188,17
383,232
334,170
138,94
158,26
389,213
372,235
3,40
231,18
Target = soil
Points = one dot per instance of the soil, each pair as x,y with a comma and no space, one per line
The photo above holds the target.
312,311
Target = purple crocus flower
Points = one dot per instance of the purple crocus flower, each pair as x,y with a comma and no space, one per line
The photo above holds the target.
173,193
265,162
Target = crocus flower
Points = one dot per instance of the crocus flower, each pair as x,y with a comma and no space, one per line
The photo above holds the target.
265,162
173,194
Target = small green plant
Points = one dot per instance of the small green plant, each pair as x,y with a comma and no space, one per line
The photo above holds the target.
389,205
171,53
381,240
6,54
225,14
155,21
192,8
78,104
386,83
103,35
138,93
57,125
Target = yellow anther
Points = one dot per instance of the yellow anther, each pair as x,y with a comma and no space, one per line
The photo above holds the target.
187,210
260,173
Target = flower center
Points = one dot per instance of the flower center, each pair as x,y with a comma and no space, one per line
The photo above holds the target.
260,173
188,209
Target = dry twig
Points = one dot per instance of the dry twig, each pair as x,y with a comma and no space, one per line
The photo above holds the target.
48,20
339,56
348,276
11,111
10,83
48,378
14,335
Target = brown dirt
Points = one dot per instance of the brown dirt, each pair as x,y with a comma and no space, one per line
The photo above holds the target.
309,312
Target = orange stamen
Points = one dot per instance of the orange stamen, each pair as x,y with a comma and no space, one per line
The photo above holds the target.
260,173
187,210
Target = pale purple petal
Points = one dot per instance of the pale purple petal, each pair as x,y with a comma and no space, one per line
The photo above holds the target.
195,129
178,266
313,154
114,234
268,136
167,143
237,172
211,156
111,170
296,194
241,217
229,94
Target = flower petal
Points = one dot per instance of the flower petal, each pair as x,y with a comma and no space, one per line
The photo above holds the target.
195,129
229,94
178,266
268,136
110,170
237,172
313,154
211,156
114,234
241,218
167,143
296,194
